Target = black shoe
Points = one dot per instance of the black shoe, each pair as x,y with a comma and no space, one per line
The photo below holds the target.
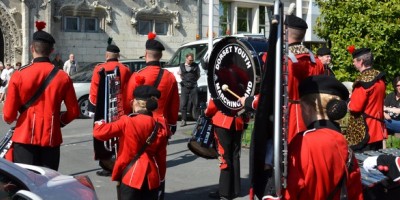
214,195
103,173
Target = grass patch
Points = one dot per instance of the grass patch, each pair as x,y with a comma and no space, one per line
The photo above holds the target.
393,142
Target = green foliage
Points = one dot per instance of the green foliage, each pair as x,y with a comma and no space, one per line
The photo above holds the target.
364,23
393,142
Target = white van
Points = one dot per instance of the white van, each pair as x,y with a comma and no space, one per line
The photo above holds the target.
257,44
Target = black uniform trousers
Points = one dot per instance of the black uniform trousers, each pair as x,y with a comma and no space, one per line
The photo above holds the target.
36,155
229,179
129,193
187,94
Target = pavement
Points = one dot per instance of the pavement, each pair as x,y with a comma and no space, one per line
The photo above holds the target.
188,176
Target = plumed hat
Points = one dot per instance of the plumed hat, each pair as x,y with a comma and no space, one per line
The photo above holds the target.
153,44
359,52
42,36
113,48
292,21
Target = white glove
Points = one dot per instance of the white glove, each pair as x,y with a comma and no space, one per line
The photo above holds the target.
270,197
91,114
370,163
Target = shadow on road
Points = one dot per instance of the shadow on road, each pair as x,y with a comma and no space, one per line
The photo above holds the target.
201,193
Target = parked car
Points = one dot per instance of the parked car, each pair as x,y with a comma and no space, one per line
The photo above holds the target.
83,78
33,182
255,43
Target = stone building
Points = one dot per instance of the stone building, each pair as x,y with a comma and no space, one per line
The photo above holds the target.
83,27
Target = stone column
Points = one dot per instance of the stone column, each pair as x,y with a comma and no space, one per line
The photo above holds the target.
25,32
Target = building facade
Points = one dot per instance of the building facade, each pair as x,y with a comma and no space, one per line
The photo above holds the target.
83,27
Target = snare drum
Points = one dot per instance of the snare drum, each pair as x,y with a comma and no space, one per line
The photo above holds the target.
202,142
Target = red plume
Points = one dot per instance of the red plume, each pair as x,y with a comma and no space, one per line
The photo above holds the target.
151,36
40,25
139,80
351,49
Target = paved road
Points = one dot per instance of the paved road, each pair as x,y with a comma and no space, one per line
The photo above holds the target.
188,176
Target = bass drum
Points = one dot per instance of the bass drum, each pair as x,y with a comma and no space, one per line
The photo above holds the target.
202,142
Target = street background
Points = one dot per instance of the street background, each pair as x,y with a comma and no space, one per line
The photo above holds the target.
188,176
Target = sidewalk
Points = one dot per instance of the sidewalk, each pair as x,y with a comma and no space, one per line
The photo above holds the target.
192,177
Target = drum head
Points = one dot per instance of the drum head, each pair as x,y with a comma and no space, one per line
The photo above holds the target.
197,149
231,64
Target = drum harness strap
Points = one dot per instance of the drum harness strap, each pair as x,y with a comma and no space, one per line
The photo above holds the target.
39,92
149,141
153,134
342,183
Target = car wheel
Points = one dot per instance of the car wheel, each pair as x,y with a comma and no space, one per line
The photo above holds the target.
83,107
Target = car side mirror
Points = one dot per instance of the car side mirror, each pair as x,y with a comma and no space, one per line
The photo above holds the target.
25,195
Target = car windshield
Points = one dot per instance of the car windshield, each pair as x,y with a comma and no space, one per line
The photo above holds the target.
198,51
83,76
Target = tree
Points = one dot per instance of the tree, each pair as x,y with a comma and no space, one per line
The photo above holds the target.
364,23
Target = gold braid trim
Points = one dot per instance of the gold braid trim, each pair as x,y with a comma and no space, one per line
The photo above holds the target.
298,49
366,76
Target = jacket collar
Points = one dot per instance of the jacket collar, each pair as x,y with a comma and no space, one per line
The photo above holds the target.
41,59
324,124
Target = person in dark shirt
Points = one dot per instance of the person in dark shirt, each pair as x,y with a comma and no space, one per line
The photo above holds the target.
392,108
57,62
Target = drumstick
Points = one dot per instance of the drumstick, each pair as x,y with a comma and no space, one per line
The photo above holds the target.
226,88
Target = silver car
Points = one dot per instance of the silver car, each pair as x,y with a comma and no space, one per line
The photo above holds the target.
83,77
21,181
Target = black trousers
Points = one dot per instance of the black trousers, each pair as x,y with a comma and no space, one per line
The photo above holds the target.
36,155
129,193
229,179
188,94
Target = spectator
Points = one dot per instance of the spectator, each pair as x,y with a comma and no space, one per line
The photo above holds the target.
392,108
58,62
71,65
5,78
18,65
190,73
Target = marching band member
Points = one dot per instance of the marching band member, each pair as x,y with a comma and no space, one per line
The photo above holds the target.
301,64
321,165
112,56
37,136
168,104
324,55
228,134
367,100
165,82
143,178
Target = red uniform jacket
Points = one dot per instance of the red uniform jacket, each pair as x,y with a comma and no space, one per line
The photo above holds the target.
41,123
299,68
221,120
168,104
317,162
109,66
133,132
369,99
